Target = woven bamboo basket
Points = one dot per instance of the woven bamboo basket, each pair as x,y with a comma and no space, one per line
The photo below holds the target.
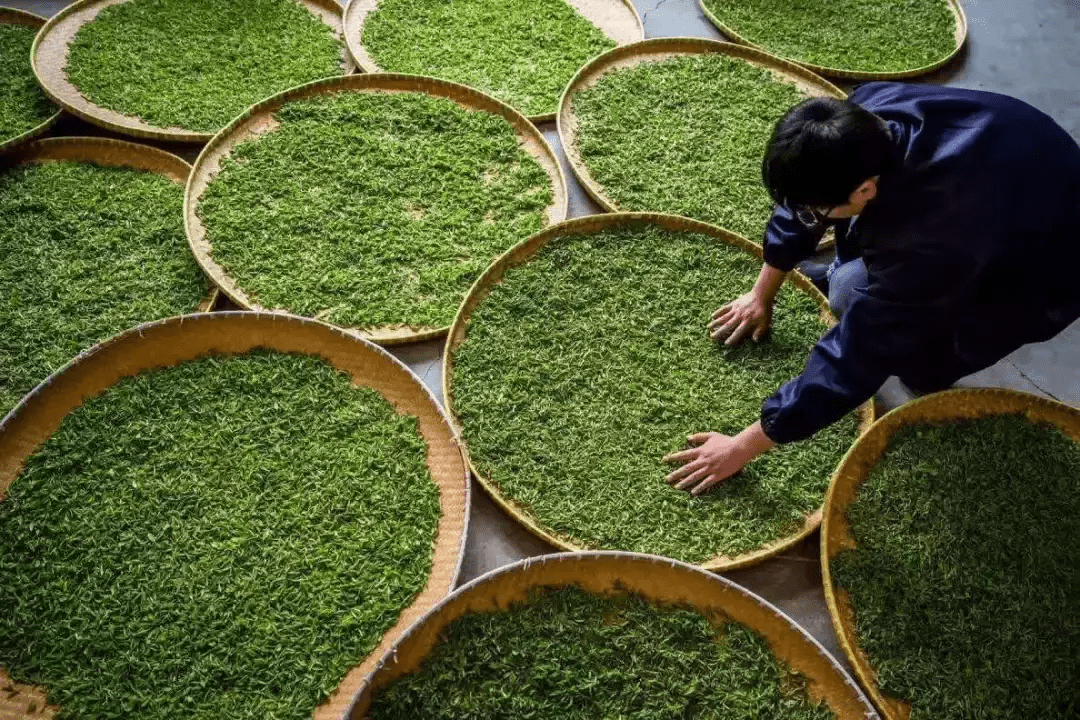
660,580
177,340
260,119
618,19
50,54
961,32
856,466
110,153
521,254
658,50
11,16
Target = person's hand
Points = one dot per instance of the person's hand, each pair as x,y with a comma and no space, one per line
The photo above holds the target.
747,314
716,458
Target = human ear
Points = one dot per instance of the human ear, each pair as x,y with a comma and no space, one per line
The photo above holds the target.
864,193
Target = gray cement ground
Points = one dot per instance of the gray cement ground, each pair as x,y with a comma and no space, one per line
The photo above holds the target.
1026,48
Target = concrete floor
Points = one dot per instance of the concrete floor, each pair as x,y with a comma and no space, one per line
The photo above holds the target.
1025,48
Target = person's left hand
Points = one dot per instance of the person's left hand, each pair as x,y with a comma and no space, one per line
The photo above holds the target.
716,458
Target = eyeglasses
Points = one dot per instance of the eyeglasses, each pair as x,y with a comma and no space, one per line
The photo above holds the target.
811,217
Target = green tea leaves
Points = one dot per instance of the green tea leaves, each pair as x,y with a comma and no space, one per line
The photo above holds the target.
23,104
371,209
197,64
567,655
858,35
85,252
590,362
521,51
225,538
964,575
684,136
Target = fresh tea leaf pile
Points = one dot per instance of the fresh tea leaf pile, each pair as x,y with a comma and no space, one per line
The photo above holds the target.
371,209
23,104
521,51
857,35
684,136
222,539
591,361
85,252
568,655
964,574
197,64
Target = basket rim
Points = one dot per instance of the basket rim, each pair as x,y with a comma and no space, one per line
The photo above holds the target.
519,254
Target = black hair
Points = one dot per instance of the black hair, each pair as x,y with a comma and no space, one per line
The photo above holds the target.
823,149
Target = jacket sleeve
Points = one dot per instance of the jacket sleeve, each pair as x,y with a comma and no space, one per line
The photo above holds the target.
883,333
787,241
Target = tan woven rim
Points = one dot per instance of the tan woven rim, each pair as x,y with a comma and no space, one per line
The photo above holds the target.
49,58
960,33
618,19
861,459
12,16
176,340
260,119
110,153
521,254
658,579
657,50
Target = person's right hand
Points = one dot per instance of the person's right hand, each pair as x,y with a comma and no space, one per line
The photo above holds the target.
740,317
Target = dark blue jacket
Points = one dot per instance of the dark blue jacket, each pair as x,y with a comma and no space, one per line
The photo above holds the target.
972,250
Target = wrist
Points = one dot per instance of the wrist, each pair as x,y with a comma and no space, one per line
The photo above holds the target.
753,441
768,284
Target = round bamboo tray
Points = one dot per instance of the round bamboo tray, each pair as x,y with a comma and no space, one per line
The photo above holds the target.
110,153
658,50
618,19
50,54
11,16
855,467
176,340
960,34
521,254
658,579
260,119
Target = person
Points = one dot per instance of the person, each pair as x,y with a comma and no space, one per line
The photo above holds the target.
957,220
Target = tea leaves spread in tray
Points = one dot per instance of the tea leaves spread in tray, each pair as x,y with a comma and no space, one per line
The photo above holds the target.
221,539
197,64
964,573
567,655
684,136
591,361
85,252
369,209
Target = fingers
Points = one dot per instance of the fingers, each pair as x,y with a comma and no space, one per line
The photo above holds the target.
761,332
740,332
700,437
726,329
721,319
707,485
723,310
687,469
693,478
681,456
